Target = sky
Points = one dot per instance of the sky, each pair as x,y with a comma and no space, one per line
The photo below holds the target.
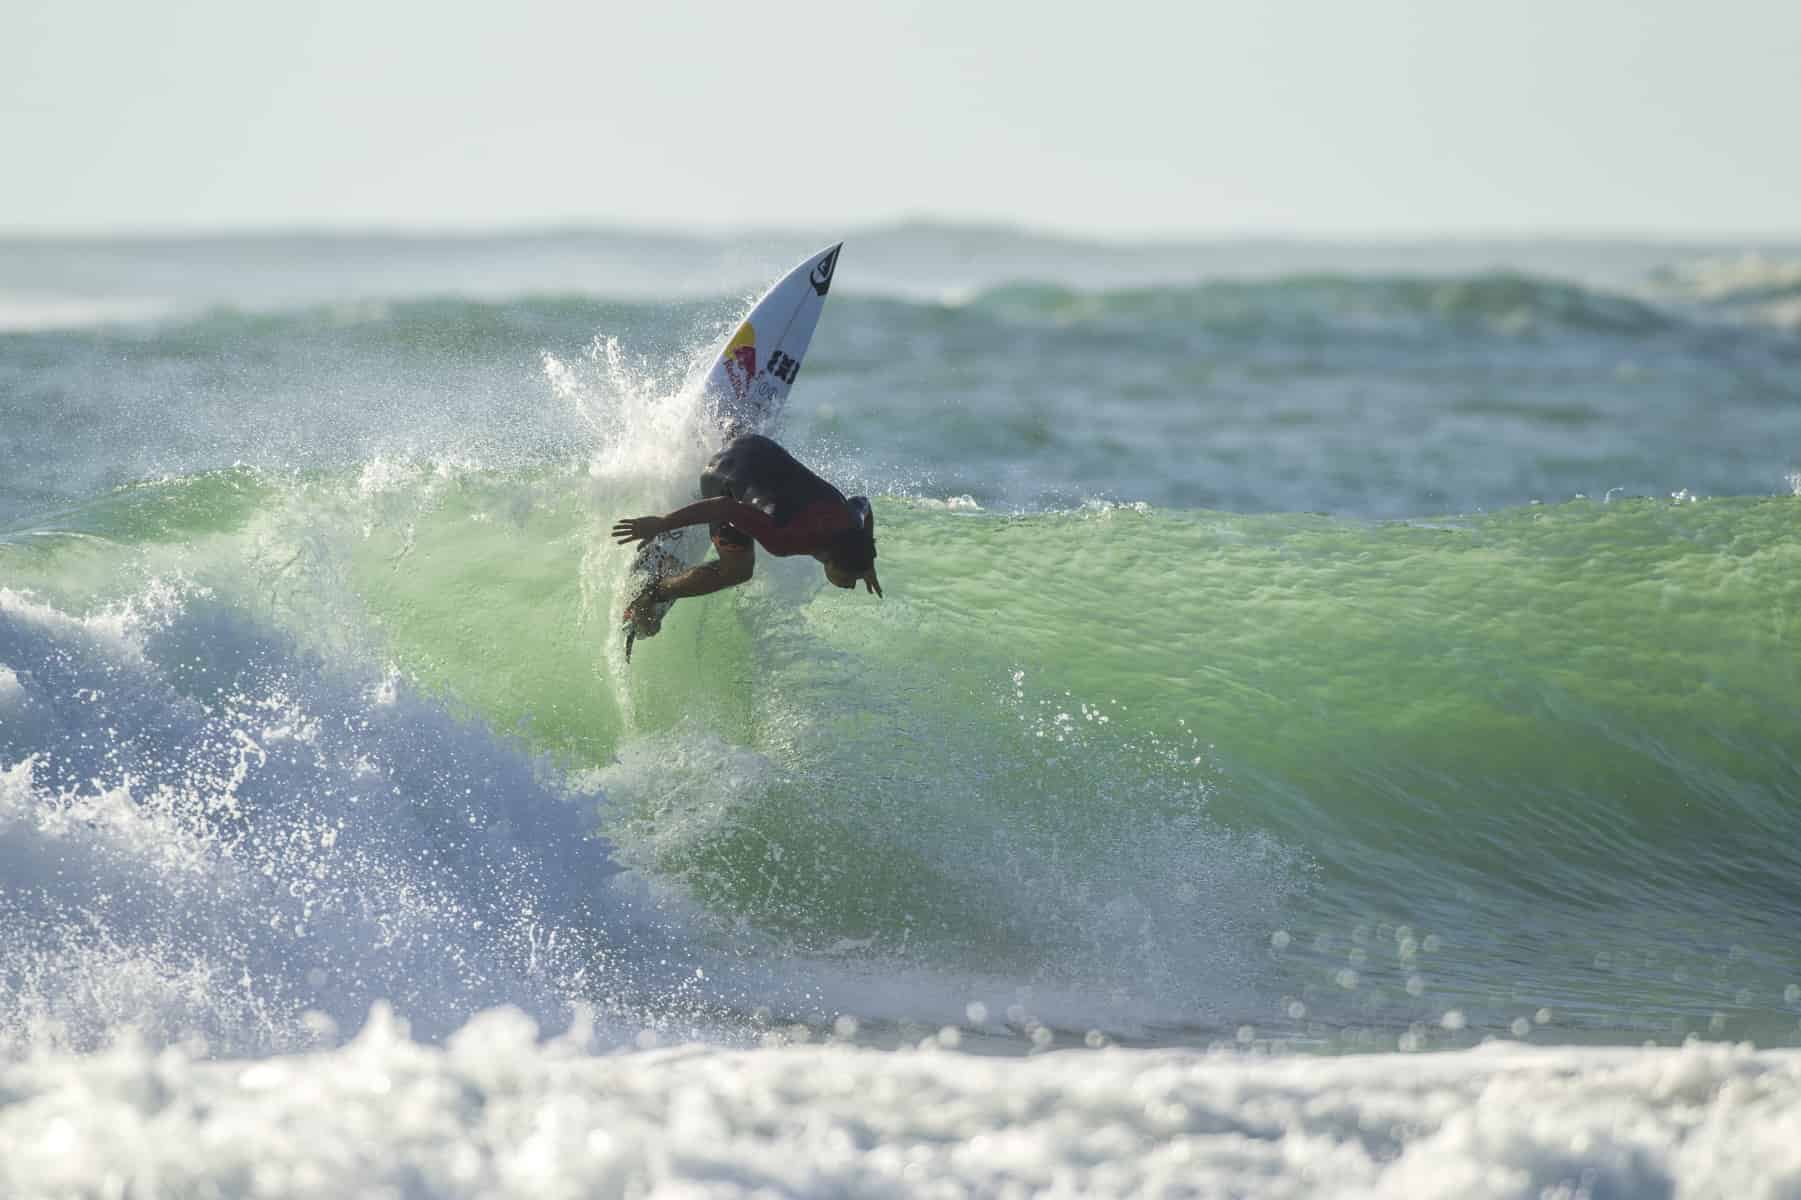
1364,119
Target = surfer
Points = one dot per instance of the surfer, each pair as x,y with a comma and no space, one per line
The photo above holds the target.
753,493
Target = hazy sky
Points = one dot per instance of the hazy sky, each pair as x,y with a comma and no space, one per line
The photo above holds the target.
1355,117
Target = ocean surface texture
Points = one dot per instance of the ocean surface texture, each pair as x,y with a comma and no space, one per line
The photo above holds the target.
1332,727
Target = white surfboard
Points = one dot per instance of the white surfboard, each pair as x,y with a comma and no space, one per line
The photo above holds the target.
745,392
756,366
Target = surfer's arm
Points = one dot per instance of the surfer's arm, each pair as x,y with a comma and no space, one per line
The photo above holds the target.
753,521
701,512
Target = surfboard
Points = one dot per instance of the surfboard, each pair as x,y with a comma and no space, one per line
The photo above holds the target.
745,391
749,381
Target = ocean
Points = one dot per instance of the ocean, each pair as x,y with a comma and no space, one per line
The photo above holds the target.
1331,727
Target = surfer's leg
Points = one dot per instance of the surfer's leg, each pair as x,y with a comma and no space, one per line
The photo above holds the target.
737,559
730,569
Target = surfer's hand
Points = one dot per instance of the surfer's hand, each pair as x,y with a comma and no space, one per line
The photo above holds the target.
638,529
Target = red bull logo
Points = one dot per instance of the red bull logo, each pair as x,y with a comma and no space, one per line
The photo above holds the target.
740,362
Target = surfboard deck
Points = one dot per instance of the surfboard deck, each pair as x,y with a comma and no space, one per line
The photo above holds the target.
745,391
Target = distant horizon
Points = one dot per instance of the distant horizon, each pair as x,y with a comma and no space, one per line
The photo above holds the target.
1022,230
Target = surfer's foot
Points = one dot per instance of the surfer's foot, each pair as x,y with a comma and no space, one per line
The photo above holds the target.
641,613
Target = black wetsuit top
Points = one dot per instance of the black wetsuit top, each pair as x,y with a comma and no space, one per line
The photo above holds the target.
784,506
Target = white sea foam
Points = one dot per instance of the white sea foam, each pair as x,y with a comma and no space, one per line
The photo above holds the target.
1728,277
41,313
963,503
651,439
1757,287
496,1113
171,867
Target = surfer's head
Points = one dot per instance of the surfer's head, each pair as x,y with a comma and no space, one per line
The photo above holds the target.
851,556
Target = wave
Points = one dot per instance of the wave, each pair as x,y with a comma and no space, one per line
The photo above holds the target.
317,742
1499,303
1213,727
1602,286
1496,303
1603,615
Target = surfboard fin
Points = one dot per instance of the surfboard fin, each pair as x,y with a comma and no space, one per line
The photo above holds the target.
643,616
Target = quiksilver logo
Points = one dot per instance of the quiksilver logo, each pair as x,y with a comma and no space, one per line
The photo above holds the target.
821,275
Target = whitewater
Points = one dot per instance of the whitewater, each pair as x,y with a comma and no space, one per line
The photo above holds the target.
1330,730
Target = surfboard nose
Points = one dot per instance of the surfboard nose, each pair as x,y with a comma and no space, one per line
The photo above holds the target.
823,267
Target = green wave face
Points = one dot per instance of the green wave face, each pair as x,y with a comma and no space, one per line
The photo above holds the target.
1570,684
1118,739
